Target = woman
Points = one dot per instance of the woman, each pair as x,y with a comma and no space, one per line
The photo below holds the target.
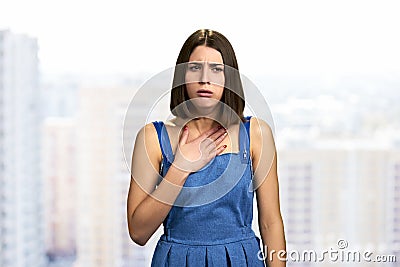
211,160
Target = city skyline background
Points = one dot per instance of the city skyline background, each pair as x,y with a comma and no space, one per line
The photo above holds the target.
328,70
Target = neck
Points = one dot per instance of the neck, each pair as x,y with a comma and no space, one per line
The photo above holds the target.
203,124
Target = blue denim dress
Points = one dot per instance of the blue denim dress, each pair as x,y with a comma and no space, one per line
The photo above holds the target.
210,221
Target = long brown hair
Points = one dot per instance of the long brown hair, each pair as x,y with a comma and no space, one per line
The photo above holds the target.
233,95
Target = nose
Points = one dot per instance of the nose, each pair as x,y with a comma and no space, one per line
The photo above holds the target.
204,76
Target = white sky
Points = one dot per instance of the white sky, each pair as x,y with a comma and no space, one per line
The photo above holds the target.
269,37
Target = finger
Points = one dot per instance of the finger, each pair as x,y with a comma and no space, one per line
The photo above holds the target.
208,133
215,142
184,136
217,134
209,147
206,145
220,138
220,149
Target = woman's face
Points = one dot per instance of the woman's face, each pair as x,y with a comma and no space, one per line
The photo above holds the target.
205,77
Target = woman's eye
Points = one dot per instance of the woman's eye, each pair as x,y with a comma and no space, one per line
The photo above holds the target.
194,67
217,69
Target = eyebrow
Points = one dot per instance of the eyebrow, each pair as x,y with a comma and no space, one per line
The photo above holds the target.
215,64
209,64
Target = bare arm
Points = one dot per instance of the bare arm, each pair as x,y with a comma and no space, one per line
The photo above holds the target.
147,206
267,193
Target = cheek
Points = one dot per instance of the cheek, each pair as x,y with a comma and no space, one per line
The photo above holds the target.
220,92
220,87
218,80
192,77
189,83
190,89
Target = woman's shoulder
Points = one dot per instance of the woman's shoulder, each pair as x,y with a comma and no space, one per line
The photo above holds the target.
172,127
259,130
148,137
259,126
150,129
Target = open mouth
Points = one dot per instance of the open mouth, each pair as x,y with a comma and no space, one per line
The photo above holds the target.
204,93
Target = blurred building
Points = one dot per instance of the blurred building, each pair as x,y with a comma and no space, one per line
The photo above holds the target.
59,174
393,203
60,94
334,189
21,203
103,178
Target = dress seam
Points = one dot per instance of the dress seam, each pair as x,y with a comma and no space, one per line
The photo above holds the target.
206,245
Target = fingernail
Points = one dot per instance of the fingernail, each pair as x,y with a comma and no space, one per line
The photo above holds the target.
185,128
225,146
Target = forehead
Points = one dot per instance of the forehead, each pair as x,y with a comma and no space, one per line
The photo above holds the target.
204,53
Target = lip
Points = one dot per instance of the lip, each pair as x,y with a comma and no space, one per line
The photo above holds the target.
204,93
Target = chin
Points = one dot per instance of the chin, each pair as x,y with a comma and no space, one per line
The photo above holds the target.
204,106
